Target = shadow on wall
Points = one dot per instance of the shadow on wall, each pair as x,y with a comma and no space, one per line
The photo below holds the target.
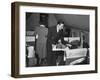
32,21
74,21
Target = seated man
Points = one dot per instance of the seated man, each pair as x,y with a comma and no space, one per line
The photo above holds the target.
75,44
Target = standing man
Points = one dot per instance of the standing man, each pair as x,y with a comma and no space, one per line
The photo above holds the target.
41,41
54,35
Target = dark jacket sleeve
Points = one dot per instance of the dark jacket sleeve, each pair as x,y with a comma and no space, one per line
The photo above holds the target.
51,37
60,35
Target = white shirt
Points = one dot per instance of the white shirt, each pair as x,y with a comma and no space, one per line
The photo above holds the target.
59,28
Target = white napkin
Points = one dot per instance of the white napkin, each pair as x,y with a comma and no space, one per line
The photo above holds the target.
31,51
75,53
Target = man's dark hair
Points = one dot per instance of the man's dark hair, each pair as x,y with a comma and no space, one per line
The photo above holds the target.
60,22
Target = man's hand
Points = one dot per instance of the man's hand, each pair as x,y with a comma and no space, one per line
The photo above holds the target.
69,45
36,36
61,46
53,45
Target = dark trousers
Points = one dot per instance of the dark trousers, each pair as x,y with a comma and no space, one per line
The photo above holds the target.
59,57
54,57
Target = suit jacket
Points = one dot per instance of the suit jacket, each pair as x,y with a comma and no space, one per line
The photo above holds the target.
54,36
